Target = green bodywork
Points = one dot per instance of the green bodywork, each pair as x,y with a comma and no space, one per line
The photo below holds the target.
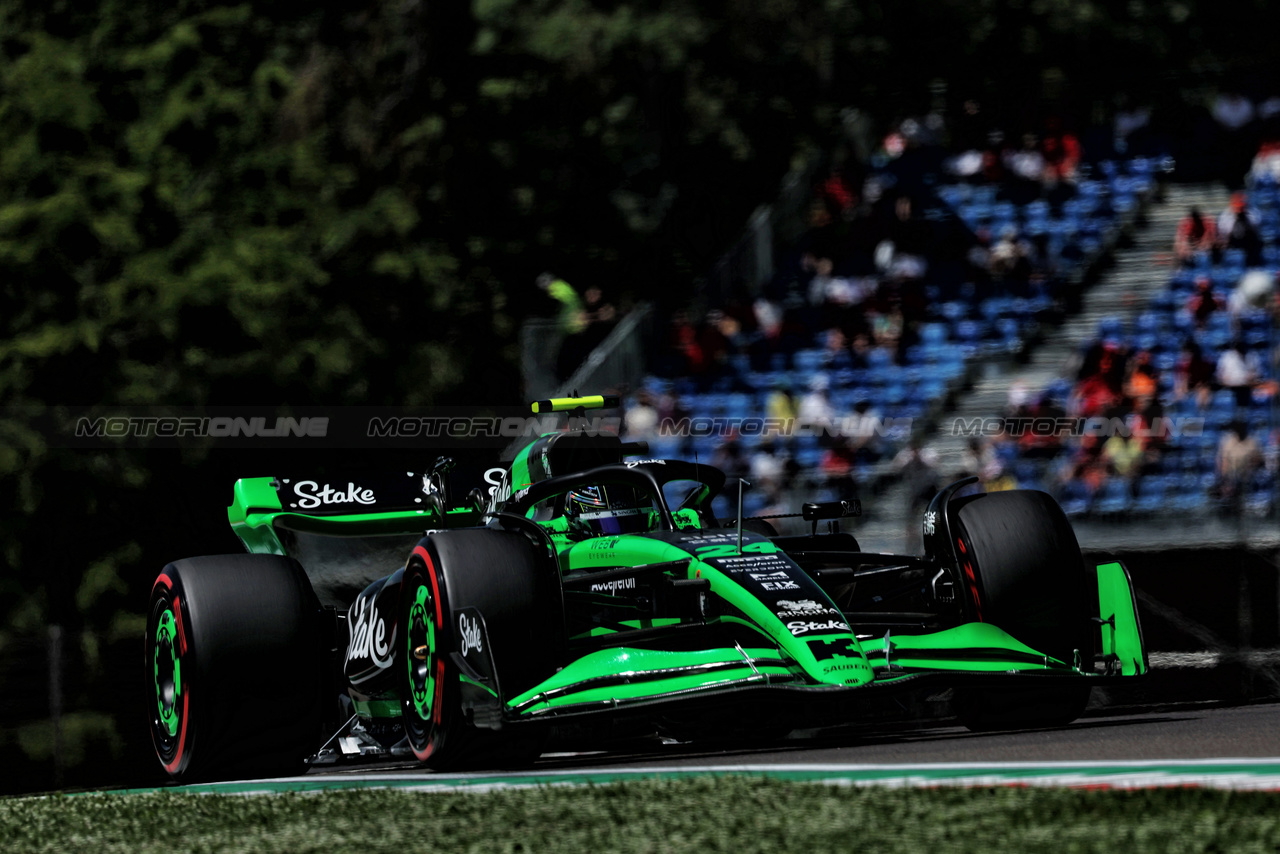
626,673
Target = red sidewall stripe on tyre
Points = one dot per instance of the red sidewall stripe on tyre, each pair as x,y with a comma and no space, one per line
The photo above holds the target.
172,767
437,702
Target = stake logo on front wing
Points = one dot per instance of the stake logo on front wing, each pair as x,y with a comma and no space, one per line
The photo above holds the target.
803,627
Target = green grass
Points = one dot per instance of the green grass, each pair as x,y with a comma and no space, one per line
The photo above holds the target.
726,814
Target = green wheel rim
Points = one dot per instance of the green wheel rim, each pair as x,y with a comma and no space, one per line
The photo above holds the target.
422,635
167,674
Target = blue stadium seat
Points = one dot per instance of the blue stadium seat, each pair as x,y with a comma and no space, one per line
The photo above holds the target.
1113,498
1075,499
1151,494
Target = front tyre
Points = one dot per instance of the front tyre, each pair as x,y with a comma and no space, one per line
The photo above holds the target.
1024,573
232,656
497,574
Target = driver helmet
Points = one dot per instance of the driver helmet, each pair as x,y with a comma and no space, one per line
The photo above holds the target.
604,510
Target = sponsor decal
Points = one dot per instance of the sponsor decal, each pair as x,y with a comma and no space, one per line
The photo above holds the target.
930,523
369,634
803,608
469,630
633,463
804,627
824,650
312,495
832,668
612,587
773,581
751,562
605,543
730,549
499,486
807,605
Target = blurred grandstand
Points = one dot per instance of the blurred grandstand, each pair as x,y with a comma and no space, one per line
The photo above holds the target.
1013,313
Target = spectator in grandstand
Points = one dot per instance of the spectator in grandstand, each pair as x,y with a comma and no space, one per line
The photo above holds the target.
1203,302
1028,162
860,350
1101,380
780,403
680,354
570,317
837,469
836,354
1255,290
1239,456
1142,379
641,419
978,456
768,336
1238,228
1062,152
1196,236
838,192
1239,370
887,327
719,337
1124,455
816,410
767,468
572,323
1010,259
1040,443
596,319
1193,374
864,434
730,459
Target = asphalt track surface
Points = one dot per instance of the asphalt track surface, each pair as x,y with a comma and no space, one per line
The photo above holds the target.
1185,733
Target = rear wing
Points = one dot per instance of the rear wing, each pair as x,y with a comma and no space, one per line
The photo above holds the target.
370,504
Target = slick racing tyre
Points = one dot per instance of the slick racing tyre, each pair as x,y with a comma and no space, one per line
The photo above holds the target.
473,595
1023,572
233,664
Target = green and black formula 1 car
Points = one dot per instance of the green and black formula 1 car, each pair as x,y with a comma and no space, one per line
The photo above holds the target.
594,592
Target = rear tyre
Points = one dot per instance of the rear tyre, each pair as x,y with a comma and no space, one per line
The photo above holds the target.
233,661
1024,573
496,573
